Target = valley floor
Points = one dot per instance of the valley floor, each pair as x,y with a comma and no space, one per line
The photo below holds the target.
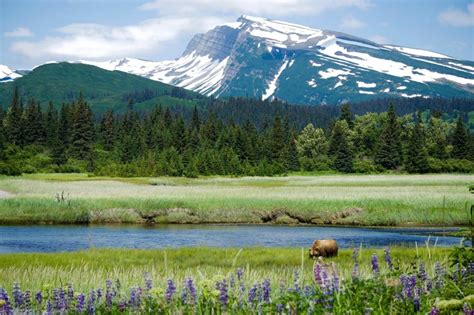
368,200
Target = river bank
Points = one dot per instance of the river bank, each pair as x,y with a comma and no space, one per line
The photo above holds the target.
354,200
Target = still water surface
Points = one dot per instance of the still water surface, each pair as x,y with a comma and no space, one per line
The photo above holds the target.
70,238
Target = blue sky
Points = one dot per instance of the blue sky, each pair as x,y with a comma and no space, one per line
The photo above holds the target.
35,31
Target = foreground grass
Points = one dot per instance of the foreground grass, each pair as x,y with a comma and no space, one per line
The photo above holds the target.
232,281
380,199
90,268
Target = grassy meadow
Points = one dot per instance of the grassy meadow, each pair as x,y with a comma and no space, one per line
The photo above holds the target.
326,199
235,281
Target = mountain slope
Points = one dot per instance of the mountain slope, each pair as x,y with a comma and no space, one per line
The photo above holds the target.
62,82
265,59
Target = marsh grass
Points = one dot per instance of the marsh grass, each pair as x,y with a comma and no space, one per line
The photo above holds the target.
385,199
90,268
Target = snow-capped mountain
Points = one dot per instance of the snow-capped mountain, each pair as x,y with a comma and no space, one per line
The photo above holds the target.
7,74
266,58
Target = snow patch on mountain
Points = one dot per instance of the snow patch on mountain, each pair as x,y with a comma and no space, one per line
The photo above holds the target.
417,52
331,73
365,85
7,74
272,85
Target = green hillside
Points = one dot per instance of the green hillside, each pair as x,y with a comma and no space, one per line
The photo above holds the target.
62,82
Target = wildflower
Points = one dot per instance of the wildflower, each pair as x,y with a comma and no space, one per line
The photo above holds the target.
134,298
467,310
122,306
388,258
49,308
280,308
266,291
252,294
99,294
317,274
355,254
70,292
148,282
39,297
434,311
422,272
335,277
27,300
192,289
239,273
17,295
91,303
79,303
375,264
296,282
223,296
355,271
170,290
439,275
416,300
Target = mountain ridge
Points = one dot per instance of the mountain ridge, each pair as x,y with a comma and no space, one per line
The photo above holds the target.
264,58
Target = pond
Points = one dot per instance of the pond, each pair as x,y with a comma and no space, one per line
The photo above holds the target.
71,238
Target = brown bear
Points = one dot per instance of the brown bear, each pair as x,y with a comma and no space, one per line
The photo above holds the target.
323,248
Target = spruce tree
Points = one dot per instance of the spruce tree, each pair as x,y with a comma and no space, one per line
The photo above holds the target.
417,154
107,130
14,121
341,149
388,150
346,115
51,123
278,140
82,136
33,131
460,140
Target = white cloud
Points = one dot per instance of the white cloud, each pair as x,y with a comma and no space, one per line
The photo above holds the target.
457,17
269,8
379,39
19,32
352,23
97,41
175,19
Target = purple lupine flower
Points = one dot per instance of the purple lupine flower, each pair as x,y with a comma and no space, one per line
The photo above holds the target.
91,303
70,291
266,290
148,282
296,282
170,290
434,311
355,254
6,308
62,303
252,294
416,300
39,298
388,257
134,298
467,310
335,277
122,306
317,274
240,273
192,289
99,294
27,301
56,305
375,264
17,295
49,308
326,286
355,271
439,275
223,295
422,272
79,303
280,308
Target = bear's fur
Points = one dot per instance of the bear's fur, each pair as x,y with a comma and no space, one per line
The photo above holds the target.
323,248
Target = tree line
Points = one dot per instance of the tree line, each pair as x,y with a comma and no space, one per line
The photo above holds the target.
193,143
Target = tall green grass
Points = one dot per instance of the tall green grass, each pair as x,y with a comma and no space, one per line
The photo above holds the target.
385,199
90,268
